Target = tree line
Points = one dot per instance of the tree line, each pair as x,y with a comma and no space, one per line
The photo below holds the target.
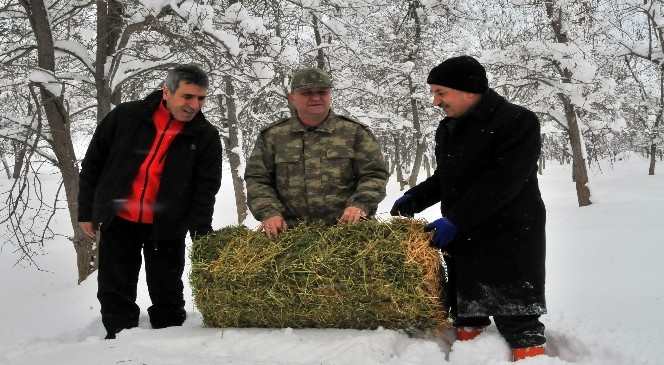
592,71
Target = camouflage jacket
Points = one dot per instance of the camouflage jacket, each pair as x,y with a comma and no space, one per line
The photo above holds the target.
310,174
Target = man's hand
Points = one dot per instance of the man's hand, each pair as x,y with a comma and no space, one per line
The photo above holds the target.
404,206
444,231
274,225
88,228
352,215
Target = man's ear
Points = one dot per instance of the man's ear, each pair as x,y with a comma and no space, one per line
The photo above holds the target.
166,92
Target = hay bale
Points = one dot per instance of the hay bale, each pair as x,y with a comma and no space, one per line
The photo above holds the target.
358,276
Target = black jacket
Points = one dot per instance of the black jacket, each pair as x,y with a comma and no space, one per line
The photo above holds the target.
486,181
189,181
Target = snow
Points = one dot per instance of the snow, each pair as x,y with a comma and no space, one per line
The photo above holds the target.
155,6
47,79
78,50
604,293
263,70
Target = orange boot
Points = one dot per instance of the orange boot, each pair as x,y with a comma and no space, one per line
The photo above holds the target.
468,333
525,352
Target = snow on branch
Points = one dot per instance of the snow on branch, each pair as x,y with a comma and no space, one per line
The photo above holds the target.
200,17
46,79
155,6
132,69
77,50
238,14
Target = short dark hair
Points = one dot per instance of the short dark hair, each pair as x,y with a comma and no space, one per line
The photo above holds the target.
189,73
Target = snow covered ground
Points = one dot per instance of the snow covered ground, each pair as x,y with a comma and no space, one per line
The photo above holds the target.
604,289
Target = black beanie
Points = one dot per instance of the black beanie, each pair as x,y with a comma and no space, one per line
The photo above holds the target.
461,73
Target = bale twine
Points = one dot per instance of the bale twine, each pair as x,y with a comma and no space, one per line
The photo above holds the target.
359,276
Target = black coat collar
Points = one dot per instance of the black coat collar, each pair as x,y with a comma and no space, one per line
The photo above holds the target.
482,112
485,108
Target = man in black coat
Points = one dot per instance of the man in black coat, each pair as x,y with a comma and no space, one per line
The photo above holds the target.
492,229
150,174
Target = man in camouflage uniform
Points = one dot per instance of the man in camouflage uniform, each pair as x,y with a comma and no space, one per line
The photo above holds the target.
315,165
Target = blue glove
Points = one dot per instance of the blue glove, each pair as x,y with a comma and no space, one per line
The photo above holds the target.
404,206
443,232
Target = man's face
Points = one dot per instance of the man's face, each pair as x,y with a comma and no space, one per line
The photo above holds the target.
185,101
311,102
455,102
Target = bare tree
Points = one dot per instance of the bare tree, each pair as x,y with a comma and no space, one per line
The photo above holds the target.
60,133
649,52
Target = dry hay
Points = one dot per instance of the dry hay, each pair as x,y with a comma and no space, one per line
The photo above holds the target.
359,276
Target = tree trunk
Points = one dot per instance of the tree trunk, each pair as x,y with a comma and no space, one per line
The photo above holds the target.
554,12
397,162
19,156
234,150
427,166
579,162
109,22
5,164
658,121
540,165
653,159
419,150
58,121
320,55
542,160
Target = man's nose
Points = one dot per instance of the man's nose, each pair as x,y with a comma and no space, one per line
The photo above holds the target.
195,104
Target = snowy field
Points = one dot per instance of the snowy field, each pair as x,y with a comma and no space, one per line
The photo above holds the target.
605,297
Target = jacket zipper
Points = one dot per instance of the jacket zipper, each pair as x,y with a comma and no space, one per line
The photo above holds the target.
147,170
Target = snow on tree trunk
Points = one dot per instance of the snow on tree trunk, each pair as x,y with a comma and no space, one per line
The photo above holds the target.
554,12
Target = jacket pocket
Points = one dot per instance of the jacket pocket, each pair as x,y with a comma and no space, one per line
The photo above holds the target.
289,178
337,171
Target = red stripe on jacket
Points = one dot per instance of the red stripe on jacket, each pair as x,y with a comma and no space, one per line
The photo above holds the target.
140,204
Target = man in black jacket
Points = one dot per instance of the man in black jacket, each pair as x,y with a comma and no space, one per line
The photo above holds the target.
150,174
492,229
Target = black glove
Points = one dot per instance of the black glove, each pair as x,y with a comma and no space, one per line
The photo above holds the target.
404,206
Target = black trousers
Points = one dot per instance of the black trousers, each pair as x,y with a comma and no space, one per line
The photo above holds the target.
518,331
119,265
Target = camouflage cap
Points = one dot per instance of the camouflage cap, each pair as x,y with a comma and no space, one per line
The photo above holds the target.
309,78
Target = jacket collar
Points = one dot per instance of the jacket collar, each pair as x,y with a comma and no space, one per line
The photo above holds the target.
326,126
485,108
151,103
480,113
